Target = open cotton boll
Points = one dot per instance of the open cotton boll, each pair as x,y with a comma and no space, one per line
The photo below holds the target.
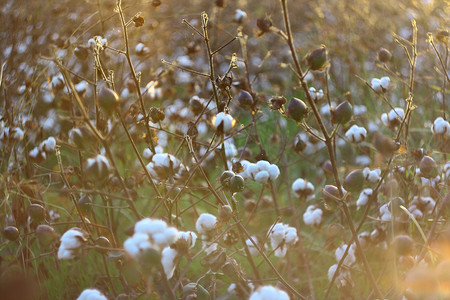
48,145
303,188
189,236
356,134
73,238
373,176
224,121
148,153
312,216
263,165
350,259
168,256
165,238
342,279
364,197
91,294
441,127
376,85
150,226
262,176
274,172
269,292
251,248
384,82
385,213
206,223
209,247
281,237
136,244
240,16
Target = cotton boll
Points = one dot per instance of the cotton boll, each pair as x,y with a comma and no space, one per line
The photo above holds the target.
251,248
240,16
312,216
150,226
168,256
373,176
356,134
224,122
350,259
364,197
73,238
48,145
274,172
384,82
91,294
189,236
263,165
206,223
303,188
441,127
342,279
281,237
269,292
376,85
209,247
262,176
64,253
136,244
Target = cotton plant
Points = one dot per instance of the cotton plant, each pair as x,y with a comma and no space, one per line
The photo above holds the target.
251,247
206,226
343,278
350,259
372,176
393,118
421,205
313,216
164,166
269,292
223,122
71,243
261,171
441,127
91,294
316,95
282,237
186,240
48,145
150,234
303,189
364,197
381,85
356,134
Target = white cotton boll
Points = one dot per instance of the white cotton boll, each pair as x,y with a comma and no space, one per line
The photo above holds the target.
240,16
209,247
291,235
356,134
373,176
342,278
171,235
385,214
364,197
48,145
269,292
189,236
168,256
359,110
147,153
72,238
384,82
303,188
91,294
17,134
277,233
417,213
362,160
251,170
396,113
350,258
251,248
224,120
274,172
441,127
376,85
205,223
230,149
263,165
447,170
150,226
161,160
64,253
262,176
312,216
299,185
